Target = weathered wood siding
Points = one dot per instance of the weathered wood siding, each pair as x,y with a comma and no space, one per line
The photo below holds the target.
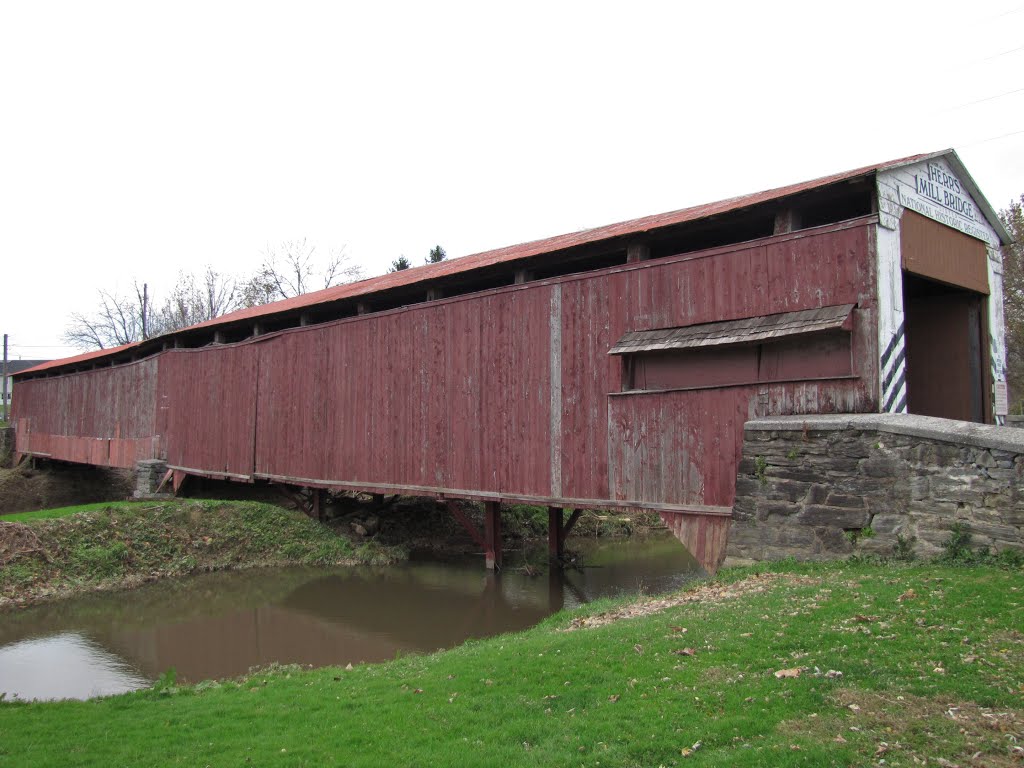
508,393
105,417
208,402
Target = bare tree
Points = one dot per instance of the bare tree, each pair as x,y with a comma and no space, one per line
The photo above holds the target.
288,270
125,319
118,320
195,301
291,269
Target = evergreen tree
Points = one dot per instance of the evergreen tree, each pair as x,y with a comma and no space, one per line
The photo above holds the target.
399,264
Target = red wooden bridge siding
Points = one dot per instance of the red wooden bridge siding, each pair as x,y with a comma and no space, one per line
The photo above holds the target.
105,417
208,408
509,393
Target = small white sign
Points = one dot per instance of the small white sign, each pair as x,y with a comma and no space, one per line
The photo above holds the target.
1001,399
939,195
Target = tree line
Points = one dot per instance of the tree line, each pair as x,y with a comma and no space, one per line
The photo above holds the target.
289,269
1013,298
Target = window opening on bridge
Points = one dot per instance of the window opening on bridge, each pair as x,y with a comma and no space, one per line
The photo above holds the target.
810,344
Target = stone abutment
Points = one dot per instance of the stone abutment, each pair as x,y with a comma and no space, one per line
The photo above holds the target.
821,487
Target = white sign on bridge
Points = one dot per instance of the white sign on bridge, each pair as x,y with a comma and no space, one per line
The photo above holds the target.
939,195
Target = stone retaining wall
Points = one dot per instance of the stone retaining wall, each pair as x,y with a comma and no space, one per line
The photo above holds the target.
148,474
820,487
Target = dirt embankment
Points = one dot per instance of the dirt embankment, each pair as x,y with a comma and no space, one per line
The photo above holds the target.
121,546
24,489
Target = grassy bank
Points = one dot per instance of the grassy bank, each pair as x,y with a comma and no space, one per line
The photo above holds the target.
843,664
71,550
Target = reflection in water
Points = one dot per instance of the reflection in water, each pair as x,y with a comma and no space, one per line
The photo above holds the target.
222,624
28,669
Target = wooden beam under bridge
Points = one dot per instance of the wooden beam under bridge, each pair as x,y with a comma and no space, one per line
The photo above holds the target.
559,531
490,540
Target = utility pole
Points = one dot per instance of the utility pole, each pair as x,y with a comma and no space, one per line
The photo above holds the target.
5,378
145,310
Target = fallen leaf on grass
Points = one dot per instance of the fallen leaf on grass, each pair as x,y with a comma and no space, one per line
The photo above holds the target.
908,595
866,619
792,672
685,652
687,751
639,649
678,629
613,698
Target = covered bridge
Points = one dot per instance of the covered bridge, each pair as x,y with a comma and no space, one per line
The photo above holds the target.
606,369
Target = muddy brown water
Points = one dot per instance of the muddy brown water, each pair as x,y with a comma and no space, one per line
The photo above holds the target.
221,625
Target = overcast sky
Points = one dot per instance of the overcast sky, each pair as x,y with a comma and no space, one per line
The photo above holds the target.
138,139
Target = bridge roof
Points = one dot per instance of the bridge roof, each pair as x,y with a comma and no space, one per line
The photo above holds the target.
522,251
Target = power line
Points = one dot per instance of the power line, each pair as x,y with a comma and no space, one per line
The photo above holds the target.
993,138
1004,53
44,346
987,98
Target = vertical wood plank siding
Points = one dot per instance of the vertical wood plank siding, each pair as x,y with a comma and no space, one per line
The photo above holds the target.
208,407
457,395
105,417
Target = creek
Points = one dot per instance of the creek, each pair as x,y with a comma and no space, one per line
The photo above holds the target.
221,625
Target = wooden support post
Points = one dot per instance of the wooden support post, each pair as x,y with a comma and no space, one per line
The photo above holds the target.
168,476
257,329
492,535
559,531
219,337
787,220
637,252
433,294
556,538
178,480
567,529
362,308
458,514
318,504
304,319
523,276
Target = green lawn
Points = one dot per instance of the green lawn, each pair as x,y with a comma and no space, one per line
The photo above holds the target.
48,514
891,662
